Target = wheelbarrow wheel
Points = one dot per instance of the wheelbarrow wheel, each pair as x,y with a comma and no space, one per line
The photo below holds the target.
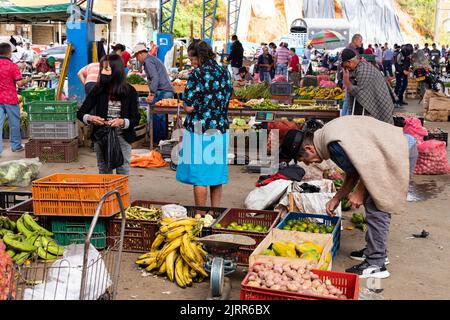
217,277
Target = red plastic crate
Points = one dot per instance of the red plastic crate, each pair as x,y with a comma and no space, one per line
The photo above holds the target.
139,234
241,216
347,282
78,195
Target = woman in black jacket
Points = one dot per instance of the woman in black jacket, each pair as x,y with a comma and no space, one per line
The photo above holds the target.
112,102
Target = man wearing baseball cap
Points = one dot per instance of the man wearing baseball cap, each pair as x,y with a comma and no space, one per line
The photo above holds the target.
369,91
159,84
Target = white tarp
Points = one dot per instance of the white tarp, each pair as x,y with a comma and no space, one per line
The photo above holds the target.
363,15
293,10
319,9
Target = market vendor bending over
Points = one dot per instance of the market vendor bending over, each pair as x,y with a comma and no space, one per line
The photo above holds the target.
378,157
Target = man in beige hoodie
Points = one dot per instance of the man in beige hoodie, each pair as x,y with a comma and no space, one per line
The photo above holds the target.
370,151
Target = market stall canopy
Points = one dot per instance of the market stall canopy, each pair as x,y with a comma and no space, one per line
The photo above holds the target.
326,36
43,14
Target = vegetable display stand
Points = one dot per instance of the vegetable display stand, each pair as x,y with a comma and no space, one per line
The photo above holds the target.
319,219
216,213
58,151
16,211
53,130
139,234
348,283
265,218
141,87
77,195
277,235
286,99
9,199
53,111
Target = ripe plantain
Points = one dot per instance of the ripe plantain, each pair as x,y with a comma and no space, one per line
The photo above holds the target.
170,264
175,244
179,273
186,275
178,223
159,240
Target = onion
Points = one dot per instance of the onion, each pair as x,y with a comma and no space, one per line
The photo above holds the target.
269,265
275,287
253,284
286,268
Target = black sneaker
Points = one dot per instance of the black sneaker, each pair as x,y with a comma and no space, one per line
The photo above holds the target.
365,270
403,103
360,256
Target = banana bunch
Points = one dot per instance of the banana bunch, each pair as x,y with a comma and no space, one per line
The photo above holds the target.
25,238
321,93
176,253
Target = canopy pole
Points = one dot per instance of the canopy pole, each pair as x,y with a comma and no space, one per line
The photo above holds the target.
60,32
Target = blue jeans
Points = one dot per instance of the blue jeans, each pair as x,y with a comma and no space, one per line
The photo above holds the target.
345,105
159,120
387,67
264,76
401,83
15,138
282,70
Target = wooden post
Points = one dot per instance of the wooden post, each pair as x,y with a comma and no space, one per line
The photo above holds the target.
174,62
181,58
192,30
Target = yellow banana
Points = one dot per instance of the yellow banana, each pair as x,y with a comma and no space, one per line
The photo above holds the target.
177,232
186,248
146,261
148,255
186,275
195,266
162,268
192,273
152,266
178,223
166,221
202,251
159,240
179,272
175,244
170,264
198,255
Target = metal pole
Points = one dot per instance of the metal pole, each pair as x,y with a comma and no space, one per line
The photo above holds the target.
436,21
60,33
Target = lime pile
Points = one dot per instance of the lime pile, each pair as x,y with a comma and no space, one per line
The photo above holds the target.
244,227
307,225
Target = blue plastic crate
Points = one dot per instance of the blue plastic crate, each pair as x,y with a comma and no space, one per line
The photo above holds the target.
321,219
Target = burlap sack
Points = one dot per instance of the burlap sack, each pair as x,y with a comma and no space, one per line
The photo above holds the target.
428,95
439,104
437,116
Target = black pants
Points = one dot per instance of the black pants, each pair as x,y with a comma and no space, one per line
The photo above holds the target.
89,86
401,83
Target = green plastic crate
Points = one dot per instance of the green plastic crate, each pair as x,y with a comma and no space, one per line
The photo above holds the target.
69,230
53,111
44,94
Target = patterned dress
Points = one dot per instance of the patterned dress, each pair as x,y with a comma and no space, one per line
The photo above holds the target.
203,158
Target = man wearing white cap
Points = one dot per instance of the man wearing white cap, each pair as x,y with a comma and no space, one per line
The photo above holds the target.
159,84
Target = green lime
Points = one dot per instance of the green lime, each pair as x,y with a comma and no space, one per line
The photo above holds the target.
218,226
287,227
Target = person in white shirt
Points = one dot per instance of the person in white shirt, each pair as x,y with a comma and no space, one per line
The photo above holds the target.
28,55
378,56
18,55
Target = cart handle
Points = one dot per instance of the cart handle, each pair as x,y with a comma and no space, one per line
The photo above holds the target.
88,242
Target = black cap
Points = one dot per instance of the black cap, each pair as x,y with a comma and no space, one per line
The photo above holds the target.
347,55
291,145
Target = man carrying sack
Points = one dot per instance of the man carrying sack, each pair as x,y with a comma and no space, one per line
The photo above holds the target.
377,158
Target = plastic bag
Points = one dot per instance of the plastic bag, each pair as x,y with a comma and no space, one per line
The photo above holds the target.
173,211
263,197
432,158
19,173
414,127
63,281
108,141
152,159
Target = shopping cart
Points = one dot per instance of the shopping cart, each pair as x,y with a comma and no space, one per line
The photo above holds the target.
37,280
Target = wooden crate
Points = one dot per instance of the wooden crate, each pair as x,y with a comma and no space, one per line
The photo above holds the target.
141,135
141,87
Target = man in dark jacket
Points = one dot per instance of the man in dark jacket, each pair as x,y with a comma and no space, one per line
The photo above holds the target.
402,66
236,57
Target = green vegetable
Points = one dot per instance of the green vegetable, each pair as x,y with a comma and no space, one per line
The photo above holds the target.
136,79
256,91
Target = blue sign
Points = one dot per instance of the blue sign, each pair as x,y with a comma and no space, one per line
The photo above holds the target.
165,43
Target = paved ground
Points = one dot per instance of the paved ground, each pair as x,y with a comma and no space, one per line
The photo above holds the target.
419,267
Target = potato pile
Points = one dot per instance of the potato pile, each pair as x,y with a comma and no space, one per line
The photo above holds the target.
293,278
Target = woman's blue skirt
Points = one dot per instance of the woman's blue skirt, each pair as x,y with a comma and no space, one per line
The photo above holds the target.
203,159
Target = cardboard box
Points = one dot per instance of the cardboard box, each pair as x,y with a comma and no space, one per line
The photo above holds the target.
324,240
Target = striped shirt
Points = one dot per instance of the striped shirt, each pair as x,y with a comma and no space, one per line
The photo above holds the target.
282,55
91,72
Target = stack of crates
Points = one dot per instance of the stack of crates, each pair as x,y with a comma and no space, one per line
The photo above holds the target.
36,94
53,131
